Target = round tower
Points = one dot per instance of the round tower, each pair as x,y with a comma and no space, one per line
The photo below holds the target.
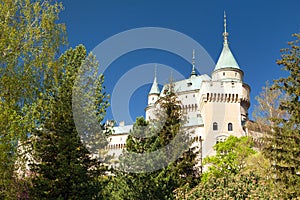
229,97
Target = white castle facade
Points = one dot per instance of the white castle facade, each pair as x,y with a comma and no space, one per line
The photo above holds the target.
215,106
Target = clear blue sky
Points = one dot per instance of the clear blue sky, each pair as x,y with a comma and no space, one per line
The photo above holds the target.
257,31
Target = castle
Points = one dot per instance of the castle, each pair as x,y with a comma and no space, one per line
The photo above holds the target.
216,106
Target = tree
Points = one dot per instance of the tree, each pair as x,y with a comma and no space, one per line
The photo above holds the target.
30,40
230,157
149,137
267,107
63,167
283,144
230,174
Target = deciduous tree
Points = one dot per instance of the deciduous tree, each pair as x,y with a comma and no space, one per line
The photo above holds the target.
30,39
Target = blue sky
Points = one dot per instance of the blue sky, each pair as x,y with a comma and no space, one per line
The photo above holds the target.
257,31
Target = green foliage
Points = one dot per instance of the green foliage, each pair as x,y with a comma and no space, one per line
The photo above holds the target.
283,142
233,173
230,157
230,186
30,39
159,184
63,167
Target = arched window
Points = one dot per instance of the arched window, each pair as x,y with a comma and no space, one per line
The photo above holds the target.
215,126
229,126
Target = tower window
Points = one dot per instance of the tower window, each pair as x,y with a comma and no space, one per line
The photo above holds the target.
229,126
215,126
223,73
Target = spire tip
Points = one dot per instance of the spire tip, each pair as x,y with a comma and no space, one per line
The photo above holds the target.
225,34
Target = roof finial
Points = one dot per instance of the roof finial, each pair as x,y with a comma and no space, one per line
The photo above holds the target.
193,63
155,71
225,34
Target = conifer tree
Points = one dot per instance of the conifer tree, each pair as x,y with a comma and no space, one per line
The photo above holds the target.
63,167
157,134
283,143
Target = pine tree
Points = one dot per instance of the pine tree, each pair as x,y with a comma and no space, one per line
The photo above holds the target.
149,137
63,167
283,144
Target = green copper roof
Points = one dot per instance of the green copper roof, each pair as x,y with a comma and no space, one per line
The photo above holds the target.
154,88
226,59
192,83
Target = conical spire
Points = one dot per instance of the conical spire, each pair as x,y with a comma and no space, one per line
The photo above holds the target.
226,59
154,87
193,73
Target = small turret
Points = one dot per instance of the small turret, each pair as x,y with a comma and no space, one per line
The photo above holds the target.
154,91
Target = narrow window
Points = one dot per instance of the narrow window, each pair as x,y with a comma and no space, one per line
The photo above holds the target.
223,73
215,126
229,126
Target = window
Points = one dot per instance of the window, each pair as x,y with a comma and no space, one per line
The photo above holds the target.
215,126
223,73
229,126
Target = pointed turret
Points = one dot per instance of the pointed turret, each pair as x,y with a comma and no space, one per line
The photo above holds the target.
153,96
154,91
226,59
154,88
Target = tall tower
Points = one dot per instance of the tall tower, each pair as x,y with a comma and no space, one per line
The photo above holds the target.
226,98
152,97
